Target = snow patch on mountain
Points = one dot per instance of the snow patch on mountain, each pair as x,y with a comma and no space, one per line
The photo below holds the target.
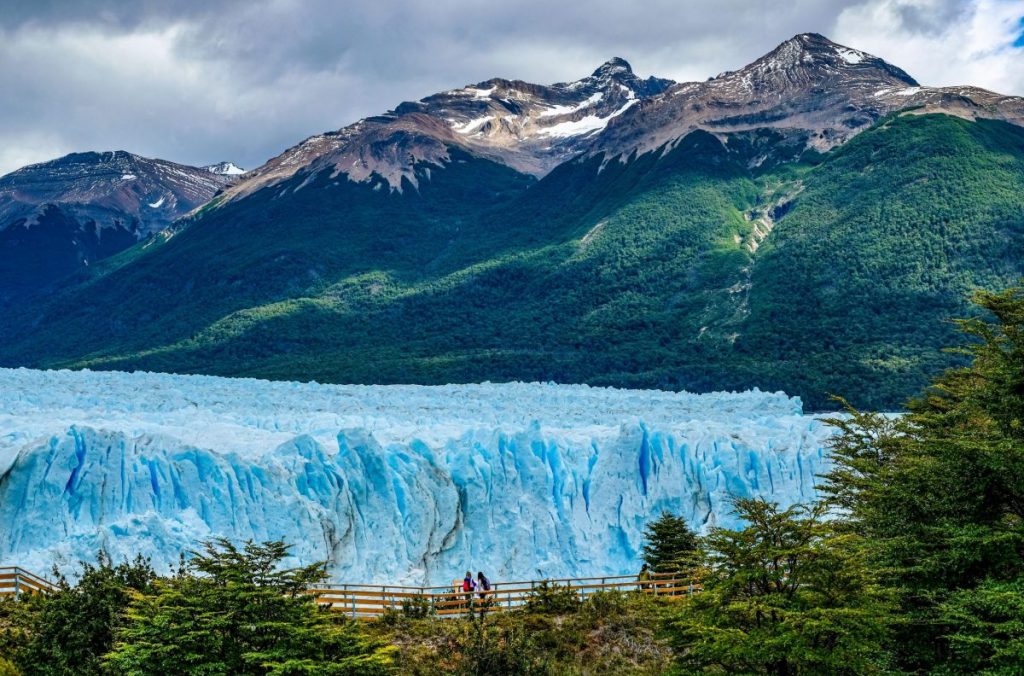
591,100
225,169
586,125
386,483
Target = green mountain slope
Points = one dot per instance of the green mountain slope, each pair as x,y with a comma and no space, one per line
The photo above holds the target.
709,266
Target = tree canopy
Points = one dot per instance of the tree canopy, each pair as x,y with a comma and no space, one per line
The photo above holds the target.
938,496
236,611
669,544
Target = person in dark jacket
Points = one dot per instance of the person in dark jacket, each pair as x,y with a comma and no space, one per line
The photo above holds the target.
483,585
644,578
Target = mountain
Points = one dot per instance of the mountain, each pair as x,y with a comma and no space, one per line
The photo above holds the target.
809,86
225,169
530,128
60,216
786,226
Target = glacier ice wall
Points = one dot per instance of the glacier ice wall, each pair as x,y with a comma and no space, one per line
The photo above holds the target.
387,483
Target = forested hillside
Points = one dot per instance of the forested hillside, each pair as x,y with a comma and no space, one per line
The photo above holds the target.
708,266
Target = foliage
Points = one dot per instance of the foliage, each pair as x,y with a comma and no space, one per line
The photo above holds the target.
939,494
493,650
417,607
553,598
784,595
7,668
609,633
987,635
69,630
650,272
235,611
19,619
669,544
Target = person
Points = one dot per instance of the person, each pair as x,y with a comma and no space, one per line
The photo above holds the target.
483,584
644,577
467,582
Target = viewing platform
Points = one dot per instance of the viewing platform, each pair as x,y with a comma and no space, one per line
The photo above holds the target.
14,581
370,602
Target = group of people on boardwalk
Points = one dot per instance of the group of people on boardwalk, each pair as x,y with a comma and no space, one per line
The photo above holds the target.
481,585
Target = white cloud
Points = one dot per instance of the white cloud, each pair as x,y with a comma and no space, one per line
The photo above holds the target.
975,47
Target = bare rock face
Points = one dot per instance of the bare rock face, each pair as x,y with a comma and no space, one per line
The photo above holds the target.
808,84
531,128
112,189
808,88
59,216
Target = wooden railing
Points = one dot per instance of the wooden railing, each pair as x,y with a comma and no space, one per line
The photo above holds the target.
369,602
372,601
14,581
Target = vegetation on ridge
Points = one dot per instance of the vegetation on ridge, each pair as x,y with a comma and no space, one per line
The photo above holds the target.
708,266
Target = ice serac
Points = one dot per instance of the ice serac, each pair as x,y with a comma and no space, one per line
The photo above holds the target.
386,483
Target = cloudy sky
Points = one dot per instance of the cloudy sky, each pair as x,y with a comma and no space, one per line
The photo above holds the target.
198,81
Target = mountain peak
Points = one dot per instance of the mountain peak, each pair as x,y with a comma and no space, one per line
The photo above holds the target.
225,169
816,52
614,65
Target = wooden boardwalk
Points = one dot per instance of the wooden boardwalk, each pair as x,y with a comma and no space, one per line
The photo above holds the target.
370,602
14,581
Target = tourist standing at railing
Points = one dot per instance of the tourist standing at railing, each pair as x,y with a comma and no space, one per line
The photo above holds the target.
468,585
483,584
644,577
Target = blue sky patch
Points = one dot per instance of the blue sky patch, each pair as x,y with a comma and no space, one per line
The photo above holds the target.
1019,42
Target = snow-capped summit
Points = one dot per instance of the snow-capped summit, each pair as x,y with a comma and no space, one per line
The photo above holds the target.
811,56
225,169
813,90
616,64
808,87
532,128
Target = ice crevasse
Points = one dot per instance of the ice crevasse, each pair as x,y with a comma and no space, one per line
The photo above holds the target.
399,484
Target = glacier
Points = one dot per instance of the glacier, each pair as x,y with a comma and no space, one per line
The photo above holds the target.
388,484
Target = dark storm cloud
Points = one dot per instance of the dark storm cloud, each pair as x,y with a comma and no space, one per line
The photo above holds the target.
241,80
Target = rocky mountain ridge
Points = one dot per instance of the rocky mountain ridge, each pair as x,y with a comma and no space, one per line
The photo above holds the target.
807,86
111,189
59,216
531,128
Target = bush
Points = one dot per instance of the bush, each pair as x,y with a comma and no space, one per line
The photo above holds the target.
417,607
550,598
493,650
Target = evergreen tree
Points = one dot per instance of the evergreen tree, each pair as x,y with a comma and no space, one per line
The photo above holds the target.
939,494
669,544
71,629
235,611
785,595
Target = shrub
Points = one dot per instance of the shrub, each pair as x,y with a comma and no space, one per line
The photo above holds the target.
552,599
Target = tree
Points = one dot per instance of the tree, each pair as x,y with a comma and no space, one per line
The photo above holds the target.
785,595
939,494
19,619
235,611
669,544
72,627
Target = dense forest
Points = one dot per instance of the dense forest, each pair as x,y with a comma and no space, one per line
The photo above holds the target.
912,563
712,264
